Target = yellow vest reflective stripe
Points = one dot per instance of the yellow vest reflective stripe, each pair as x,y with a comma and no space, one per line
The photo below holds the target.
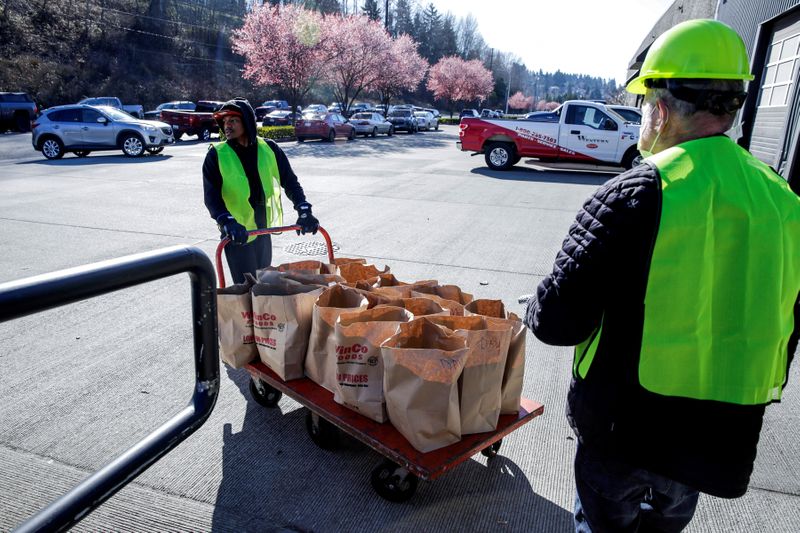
720,333
236,188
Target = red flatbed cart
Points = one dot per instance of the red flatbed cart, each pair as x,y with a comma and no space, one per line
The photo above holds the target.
397,477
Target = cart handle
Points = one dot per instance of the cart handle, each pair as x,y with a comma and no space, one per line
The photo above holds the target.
265,231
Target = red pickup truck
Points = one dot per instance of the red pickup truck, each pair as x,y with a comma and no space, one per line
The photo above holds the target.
578,131
199,122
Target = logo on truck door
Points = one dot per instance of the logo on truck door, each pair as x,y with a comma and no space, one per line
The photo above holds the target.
591,146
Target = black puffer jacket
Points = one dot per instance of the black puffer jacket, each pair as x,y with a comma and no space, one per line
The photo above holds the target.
601,272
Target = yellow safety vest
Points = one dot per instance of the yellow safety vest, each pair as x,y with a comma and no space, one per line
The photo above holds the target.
723,278
236,187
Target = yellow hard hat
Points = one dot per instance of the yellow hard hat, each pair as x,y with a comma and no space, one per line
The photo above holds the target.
695,49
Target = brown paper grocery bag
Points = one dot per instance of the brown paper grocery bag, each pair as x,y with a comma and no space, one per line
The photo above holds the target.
344,260
353,272
448,296
307,267
359,363
514,376
422,364
321,356
282,324
235,324
403,290
420,306
482,379
485,307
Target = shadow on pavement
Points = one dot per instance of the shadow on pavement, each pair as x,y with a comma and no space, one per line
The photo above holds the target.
521,173
74,161
275,479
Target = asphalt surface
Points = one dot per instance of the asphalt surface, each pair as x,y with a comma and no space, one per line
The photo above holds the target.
84,382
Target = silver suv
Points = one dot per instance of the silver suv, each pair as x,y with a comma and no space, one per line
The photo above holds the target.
81,129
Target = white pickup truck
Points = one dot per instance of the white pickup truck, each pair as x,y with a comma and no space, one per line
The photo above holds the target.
112,101
578,131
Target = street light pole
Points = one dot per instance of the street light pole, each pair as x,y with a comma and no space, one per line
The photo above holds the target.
508,89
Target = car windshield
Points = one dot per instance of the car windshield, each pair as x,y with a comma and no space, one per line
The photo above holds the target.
421,114
279,114
628,114
363,116
115,114
400,113
311,115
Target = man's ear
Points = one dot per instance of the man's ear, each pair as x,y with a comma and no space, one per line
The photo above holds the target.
663,114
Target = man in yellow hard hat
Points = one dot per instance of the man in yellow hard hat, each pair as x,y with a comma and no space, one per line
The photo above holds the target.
679,284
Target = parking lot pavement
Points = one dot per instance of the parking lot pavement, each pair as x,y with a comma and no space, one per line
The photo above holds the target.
84,382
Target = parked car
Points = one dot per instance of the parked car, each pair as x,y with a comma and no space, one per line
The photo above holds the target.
490,113
17,111
426,121
325,126
315,108
277,104
367,123
434,112
359,108
403,119
208,106
82,129
471,113
112,101
200,123
280,117
156,113
630,114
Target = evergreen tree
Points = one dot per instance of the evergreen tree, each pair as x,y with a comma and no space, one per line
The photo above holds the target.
372,9
448,41
403,19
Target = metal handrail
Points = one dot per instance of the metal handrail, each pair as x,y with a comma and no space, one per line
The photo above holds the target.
39,293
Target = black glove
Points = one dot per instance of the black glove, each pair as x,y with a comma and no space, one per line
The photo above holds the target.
232,229
307,222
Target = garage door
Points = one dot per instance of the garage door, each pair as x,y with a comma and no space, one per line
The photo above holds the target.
778,93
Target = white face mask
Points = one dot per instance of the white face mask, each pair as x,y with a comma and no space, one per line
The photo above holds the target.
649,152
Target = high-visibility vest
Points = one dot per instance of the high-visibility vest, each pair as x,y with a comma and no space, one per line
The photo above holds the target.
723,278
236,187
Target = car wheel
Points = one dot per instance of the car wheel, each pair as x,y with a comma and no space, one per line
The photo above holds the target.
156,150
499,156
204,135
352,135
82,153
374,132
331,136
301,139
437,127
177,135
391,131
53,148
132,145
631,158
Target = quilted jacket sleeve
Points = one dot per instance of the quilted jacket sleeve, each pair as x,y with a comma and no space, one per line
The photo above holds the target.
596,258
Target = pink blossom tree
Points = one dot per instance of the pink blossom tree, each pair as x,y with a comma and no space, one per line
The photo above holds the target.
520,101
401,69
452,79
353,49
281,46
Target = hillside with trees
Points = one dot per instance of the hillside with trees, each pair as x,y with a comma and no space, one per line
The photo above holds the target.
151,51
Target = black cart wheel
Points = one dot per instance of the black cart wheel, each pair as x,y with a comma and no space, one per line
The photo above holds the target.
323,433
393,483
491,451
264,394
